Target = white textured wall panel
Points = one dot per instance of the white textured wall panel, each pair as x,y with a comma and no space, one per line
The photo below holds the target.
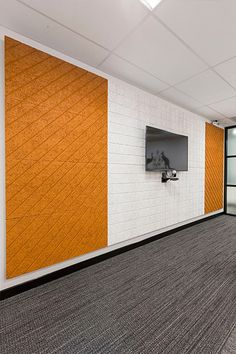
138,202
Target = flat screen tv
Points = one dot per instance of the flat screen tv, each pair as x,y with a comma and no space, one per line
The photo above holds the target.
165,150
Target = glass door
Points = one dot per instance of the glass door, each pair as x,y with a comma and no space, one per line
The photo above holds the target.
230,153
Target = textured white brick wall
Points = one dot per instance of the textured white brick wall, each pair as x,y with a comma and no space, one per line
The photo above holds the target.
138,202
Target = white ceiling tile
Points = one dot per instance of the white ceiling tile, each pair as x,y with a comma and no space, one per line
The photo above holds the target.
106,22
156,50
227,107
228,71
122,69
29,23
179,98
208,26
232,121
209,113
227,122
207,87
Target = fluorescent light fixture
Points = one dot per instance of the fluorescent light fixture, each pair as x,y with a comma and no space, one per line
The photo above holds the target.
151,4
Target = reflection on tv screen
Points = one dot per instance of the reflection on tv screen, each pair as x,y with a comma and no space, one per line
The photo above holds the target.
166,150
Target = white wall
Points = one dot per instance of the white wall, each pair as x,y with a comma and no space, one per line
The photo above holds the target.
138,202
139,205
2,169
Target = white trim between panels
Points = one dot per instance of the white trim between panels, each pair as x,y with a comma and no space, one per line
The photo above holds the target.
2,169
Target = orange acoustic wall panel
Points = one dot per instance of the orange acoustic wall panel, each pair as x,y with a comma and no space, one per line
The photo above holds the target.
214,173
56,159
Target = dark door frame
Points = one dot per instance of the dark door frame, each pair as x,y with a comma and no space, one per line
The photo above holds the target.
226,174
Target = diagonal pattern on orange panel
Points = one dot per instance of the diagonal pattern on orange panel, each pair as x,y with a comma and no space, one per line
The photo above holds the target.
214,168
56,159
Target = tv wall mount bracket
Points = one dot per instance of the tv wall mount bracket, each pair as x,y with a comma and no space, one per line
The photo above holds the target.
169,175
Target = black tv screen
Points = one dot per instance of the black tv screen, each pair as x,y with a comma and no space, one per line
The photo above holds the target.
165,150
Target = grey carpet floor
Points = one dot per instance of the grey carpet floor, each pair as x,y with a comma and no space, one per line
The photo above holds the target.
174,295
230,346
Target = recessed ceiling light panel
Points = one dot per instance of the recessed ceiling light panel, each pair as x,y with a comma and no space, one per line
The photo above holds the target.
151,4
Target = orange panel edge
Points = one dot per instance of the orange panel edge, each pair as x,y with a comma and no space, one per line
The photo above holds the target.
214,168
56,122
